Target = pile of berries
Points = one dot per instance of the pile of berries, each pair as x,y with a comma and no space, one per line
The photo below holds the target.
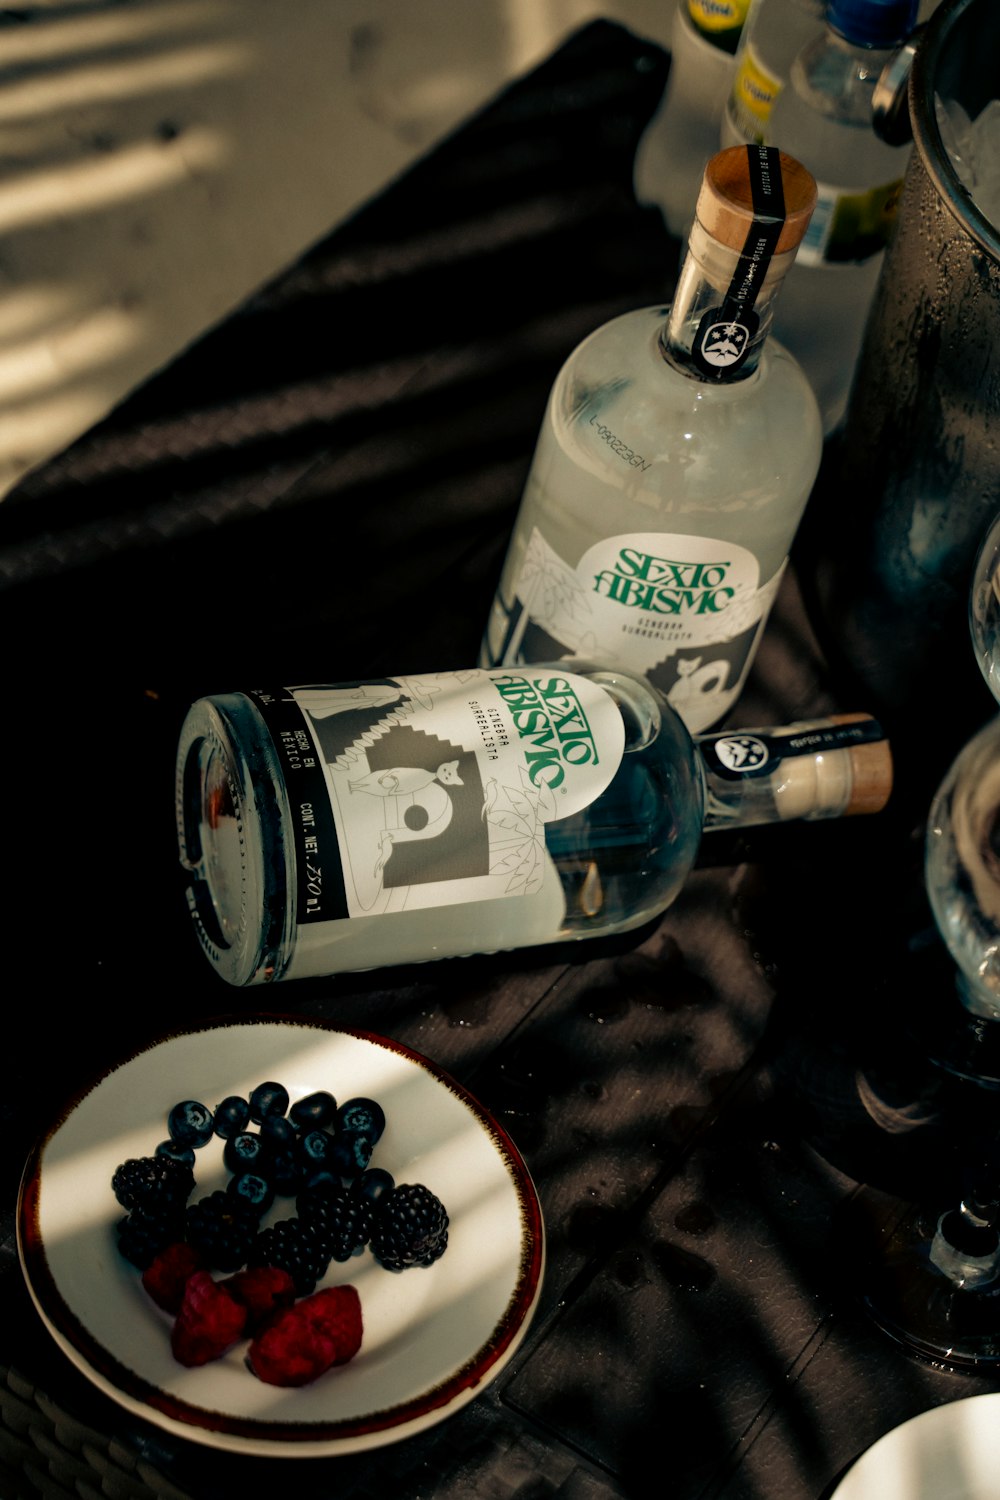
315,1152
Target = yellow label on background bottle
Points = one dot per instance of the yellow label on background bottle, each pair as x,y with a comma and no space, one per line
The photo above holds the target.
755,88
719,21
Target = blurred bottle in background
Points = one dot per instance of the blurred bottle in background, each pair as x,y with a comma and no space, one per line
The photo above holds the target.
774,33
824,115
684,132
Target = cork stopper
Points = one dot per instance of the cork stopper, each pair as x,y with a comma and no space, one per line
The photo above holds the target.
871,770
725,206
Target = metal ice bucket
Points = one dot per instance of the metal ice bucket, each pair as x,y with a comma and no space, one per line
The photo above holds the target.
916,477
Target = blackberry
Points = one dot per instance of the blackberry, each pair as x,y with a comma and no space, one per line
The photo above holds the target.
146,1231
222,1228
151,1179
410,1228
295,1246
342,1218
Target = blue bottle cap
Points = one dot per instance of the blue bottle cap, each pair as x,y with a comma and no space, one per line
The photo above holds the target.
873,23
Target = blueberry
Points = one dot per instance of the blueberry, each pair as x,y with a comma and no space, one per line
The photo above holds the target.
268,1099
373,1184
361,1117
314,1111
176,1152
285,1173
351,1154
245,1152
190,1123
279,1133
314,1148
232,1116
323,1179
252,1189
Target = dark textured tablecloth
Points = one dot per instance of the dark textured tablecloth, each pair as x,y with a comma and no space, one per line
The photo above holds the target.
323,487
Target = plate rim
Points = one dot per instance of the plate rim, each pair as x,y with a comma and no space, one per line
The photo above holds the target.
873,1456
230,1432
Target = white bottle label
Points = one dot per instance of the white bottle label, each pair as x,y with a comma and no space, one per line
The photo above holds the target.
849,227
686,611
429,791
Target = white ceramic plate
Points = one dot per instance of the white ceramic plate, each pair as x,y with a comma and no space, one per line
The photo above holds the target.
949,1453
433,1337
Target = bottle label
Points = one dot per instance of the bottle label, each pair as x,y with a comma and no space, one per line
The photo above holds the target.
848,227
685,611
720,21
726,332
755,88
737,754
429,791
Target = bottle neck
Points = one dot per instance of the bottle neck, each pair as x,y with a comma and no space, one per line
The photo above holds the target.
820,768
723,308
837,76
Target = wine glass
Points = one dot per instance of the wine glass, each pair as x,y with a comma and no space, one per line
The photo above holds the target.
984,607
932,1278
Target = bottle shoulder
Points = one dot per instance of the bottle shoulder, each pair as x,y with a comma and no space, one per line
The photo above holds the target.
620,368
643,447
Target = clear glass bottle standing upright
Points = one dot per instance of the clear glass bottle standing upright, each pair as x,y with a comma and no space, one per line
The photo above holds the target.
774,33
824,116
684,131
325,829
677,452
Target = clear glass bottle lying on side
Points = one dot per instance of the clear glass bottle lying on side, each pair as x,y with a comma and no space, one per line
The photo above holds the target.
677,451
327,829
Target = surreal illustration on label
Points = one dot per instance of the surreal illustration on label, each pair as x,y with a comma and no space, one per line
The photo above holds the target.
440,786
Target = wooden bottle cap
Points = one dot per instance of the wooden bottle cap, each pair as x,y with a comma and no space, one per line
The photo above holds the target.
871,766
725,206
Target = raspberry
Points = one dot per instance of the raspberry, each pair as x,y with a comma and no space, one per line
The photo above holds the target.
308,1339
410,1228
209,1321
263,1290
147,1179
167,1275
